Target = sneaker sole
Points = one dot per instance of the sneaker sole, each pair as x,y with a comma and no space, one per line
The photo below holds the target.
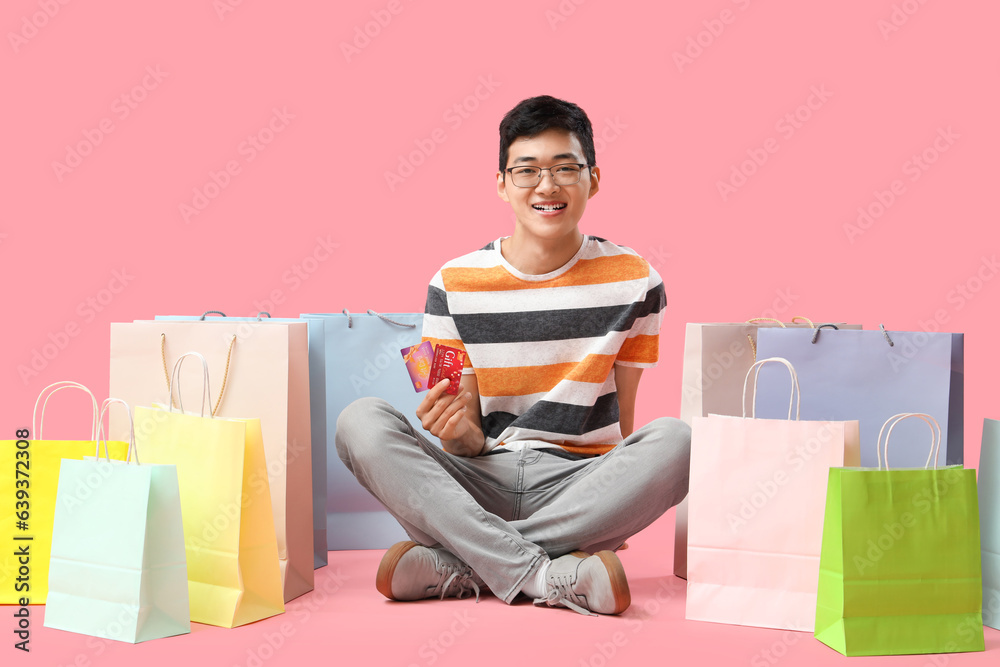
619,583
383,578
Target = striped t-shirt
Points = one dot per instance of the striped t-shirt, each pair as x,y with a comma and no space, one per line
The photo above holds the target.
543,347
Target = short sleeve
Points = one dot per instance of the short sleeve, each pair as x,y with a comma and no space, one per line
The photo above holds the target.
641,348
439,327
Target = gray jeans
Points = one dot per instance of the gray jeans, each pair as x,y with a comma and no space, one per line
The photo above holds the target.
503,512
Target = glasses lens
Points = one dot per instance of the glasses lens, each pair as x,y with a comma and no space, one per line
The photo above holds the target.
566,174
525,177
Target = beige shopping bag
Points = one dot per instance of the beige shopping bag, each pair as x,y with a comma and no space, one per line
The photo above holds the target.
265,375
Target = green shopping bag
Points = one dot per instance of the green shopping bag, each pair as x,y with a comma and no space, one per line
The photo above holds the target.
900,563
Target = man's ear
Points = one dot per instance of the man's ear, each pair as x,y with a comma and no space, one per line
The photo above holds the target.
595,176
502,187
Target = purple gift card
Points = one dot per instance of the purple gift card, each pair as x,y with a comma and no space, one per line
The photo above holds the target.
418,362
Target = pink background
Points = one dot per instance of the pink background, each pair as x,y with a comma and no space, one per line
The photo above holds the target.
312,222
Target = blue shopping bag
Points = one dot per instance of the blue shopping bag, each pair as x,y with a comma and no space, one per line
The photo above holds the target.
363,359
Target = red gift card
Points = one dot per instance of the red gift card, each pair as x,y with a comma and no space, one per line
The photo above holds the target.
448,363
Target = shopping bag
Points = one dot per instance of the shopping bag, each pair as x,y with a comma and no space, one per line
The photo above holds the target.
317,414
900,566
755,522
234,576
118,569
989,516
363,359
717,356
871,375
264,371
29,477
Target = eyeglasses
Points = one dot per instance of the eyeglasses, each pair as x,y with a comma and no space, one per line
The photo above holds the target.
568,173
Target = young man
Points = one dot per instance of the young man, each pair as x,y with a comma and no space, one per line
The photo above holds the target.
541,465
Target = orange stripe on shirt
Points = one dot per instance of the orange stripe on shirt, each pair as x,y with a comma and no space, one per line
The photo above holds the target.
640,350
522,380
600,270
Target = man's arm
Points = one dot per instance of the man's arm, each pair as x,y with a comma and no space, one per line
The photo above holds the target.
627,383
454,419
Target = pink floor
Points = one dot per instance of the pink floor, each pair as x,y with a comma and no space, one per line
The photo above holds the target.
345,621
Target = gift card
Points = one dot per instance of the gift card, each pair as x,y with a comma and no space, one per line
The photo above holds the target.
418,363
447,363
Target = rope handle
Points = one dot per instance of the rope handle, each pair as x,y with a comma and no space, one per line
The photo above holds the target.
350,322
755,370
886,335
167,374
211,312
59,386
804,319
206,391
882,449
102,438
821,327
755,320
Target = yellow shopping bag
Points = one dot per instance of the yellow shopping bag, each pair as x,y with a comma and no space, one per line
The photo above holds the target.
232,550
29,477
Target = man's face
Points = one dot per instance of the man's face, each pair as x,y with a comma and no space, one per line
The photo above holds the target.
548,211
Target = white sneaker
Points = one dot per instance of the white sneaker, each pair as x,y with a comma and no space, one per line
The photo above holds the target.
409,571
593,584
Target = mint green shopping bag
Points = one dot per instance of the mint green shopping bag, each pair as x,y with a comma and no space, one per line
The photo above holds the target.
900,565
118,568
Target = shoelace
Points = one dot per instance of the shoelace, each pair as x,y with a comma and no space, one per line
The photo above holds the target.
562,593
462,578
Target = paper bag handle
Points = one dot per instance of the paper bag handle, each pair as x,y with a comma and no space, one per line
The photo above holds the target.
755,320
131,432
891,423
225,375
796,397
59,386
206,391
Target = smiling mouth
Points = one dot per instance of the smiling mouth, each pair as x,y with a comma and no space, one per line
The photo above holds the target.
548,207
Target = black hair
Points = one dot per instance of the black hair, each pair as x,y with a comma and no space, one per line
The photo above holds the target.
535,115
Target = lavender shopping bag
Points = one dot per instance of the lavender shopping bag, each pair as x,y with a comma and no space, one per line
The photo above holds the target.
870,376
